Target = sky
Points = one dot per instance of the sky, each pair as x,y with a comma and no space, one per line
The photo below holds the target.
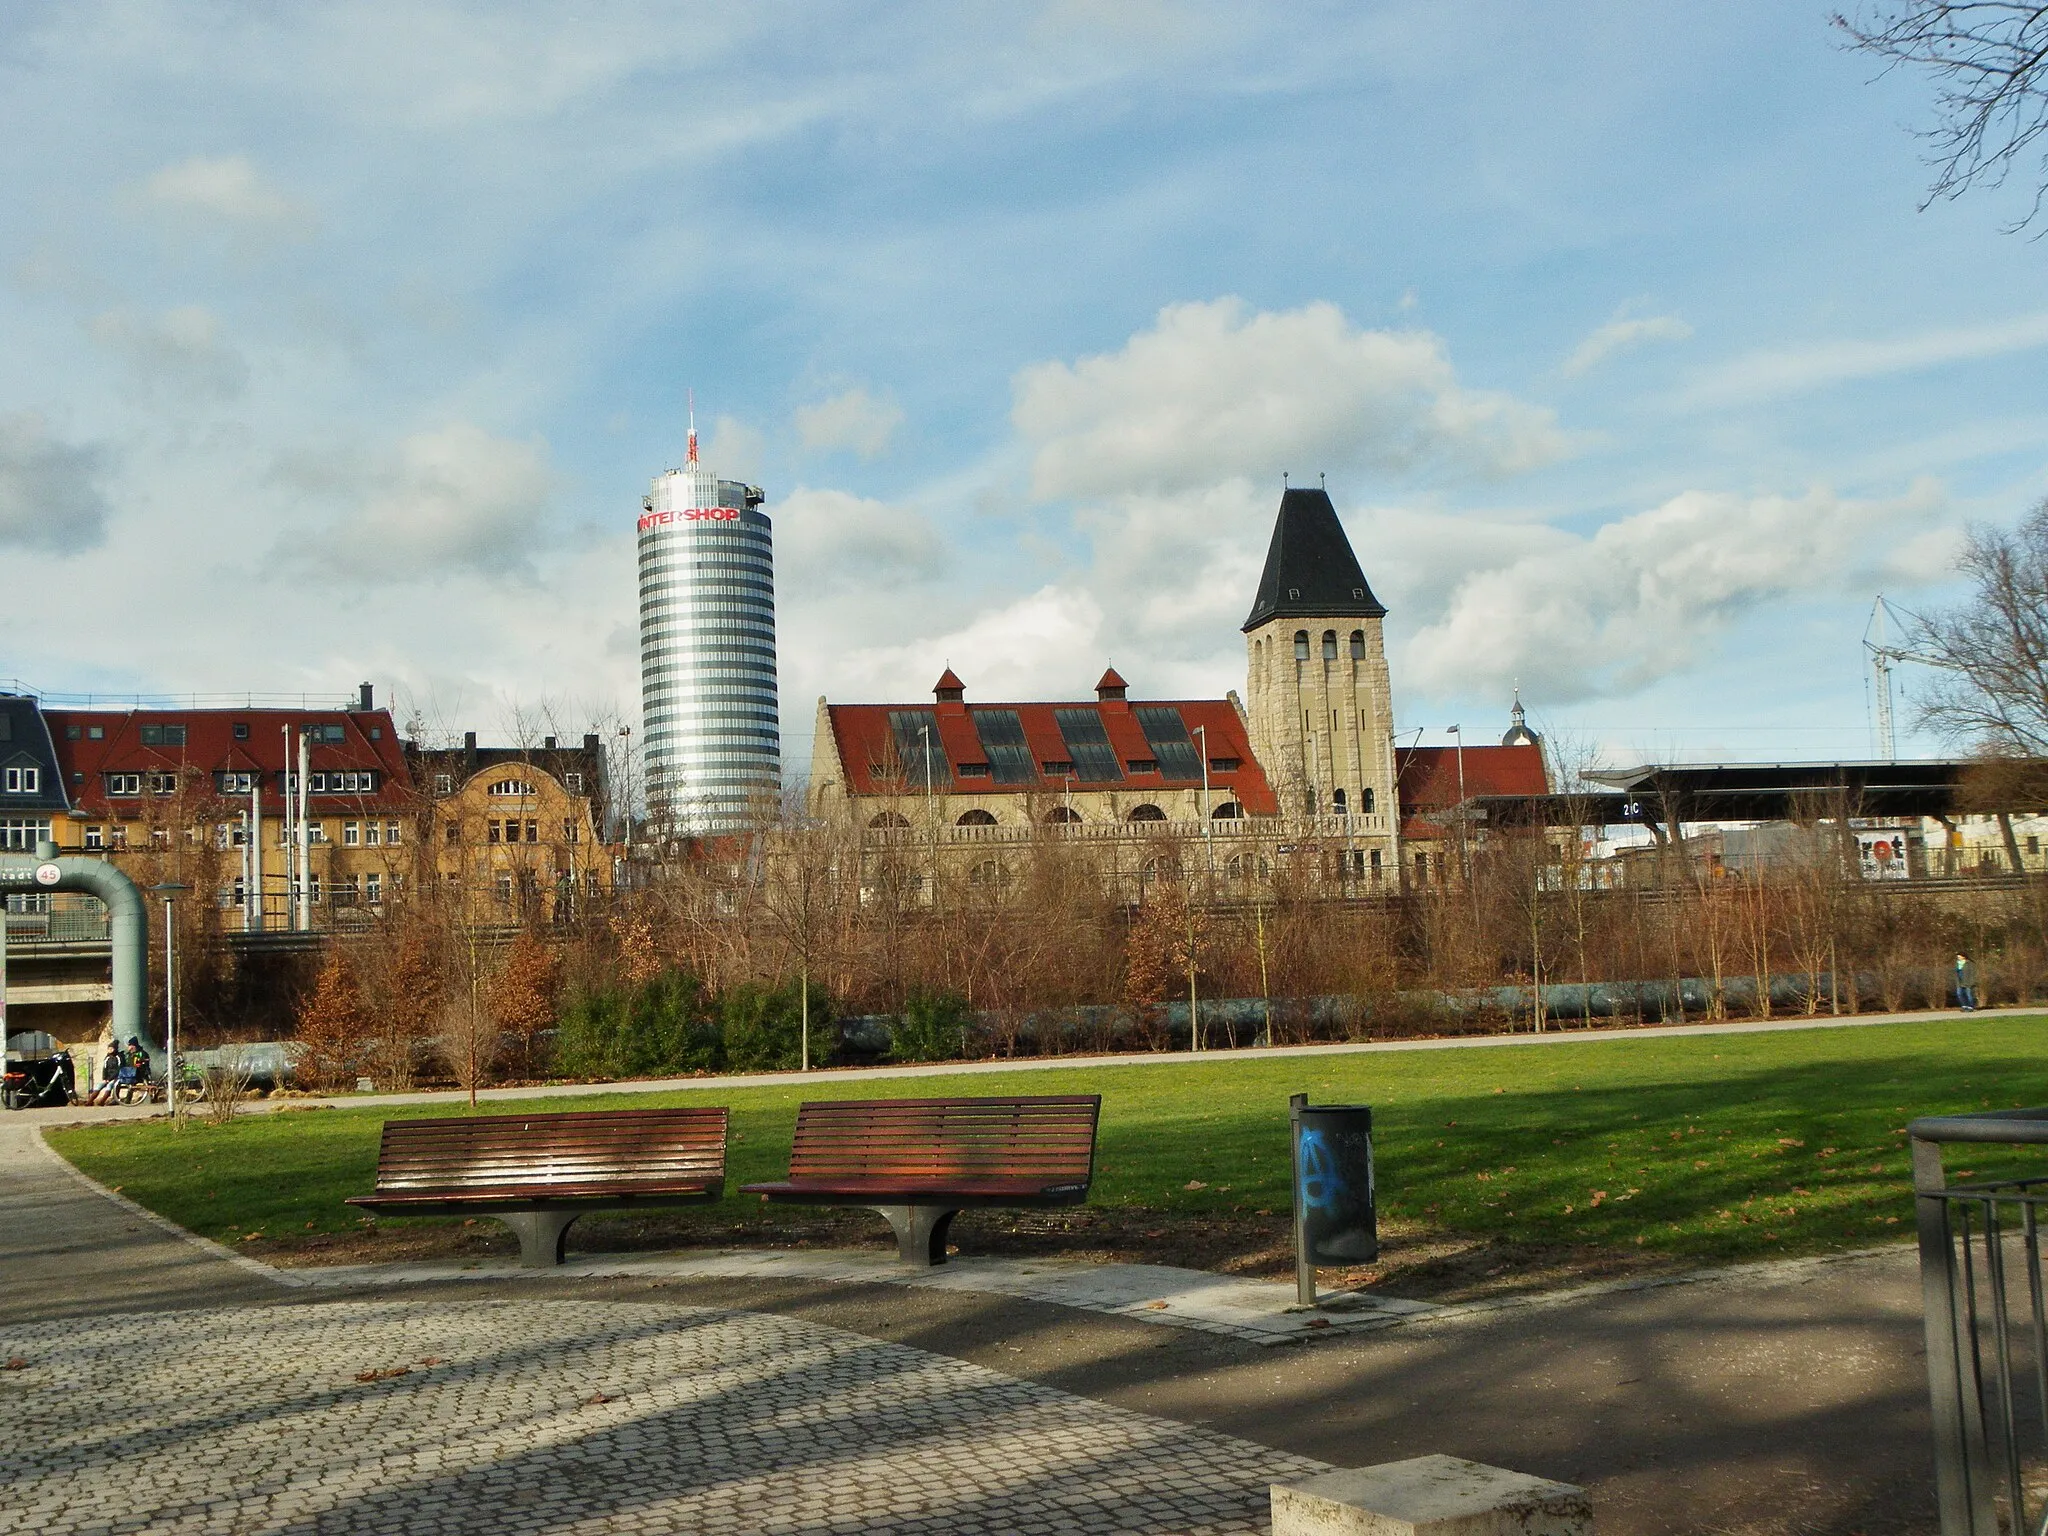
340,343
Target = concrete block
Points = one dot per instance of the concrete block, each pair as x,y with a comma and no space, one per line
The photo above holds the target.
1430,1496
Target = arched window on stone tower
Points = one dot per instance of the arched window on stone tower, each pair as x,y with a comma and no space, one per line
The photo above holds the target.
1329,645
1301,645
1358,645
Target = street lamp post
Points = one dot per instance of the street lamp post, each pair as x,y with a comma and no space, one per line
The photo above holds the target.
170,890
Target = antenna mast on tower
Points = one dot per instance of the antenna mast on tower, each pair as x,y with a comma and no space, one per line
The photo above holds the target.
692,459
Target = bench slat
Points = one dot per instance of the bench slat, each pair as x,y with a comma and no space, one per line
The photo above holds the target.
558,1155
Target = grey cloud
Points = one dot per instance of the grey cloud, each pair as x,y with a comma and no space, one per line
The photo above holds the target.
179,354
50,495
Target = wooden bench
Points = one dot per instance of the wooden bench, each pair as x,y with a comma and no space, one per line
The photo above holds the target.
919,1162
538,1173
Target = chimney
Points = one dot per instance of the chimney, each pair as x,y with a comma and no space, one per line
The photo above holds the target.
366,693
589,742
469,752
547,743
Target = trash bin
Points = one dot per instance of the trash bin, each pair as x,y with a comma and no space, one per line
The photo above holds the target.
1336,1220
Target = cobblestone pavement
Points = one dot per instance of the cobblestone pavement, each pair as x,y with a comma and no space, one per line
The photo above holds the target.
455,1416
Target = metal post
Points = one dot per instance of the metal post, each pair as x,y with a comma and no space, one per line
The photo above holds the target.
3,980
1962,1473
170,1008
305,833
1304,1271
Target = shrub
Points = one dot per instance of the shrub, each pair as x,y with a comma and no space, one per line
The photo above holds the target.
659,1026
763,1026
932,1027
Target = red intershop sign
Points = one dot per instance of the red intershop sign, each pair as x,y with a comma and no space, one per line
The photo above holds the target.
689,515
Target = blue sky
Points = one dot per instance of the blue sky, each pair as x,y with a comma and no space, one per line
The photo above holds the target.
340,342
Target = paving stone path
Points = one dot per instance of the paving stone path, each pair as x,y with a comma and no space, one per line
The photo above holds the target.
560,1415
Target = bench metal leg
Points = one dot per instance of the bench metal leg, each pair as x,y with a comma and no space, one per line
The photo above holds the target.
920,1231
543,1236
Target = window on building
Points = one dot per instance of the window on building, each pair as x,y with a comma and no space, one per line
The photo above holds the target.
1142,764
373,834
973,770
71,733
163,735
975,818
511,787
95,838
233,783
1338,807
373,887
124,783
1329,645
1374,857
920,754
1002,740
1365,801
159,837
1225,764
1229,810
163,783
1088,746
504,890
988,874
1062,816
451,832
313,889
573,782
1358,645
1166,733
533,831
351,834
569,829
444,783
1301,645
338,781
887,819
328,733
1146,813
390,834
241,730
1422,869
495,832
345,894
21,781
23,833
95,733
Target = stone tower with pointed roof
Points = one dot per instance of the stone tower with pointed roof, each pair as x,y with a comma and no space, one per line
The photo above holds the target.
1319,701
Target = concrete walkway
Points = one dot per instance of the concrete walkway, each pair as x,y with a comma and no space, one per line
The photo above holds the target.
1784,1398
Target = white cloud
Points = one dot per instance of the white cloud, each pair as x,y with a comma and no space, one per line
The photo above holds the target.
1647,595
734,449
1768,375
1212,388
50,496
831,541
180,353
227,191
1045,644
1619,335
447,501
854,420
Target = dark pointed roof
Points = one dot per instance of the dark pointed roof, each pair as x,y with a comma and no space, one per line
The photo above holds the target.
1311,572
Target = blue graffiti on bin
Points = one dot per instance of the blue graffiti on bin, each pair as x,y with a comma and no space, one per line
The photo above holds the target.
1322,1173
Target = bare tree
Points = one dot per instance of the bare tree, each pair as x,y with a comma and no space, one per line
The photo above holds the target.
1989,60
1992,650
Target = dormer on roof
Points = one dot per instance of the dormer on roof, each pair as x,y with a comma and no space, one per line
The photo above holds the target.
1311,572
949,689
1112,687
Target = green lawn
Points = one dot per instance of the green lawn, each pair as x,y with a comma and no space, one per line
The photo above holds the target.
1705,1147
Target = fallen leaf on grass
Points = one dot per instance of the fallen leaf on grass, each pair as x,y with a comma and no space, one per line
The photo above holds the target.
15,1364
1194,1184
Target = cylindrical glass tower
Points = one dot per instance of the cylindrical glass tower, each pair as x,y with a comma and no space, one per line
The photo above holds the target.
711,728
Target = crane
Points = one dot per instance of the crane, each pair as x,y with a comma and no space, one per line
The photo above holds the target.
1883,653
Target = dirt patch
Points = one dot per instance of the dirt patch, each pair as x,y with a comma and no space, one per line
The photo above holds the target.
1416,1262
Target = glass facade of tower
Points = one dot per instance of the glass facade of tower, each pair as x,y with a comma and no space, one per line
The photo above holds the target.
707,653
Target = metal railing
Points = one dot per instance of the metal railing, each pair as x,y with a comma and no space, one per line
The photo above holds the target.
1987,1327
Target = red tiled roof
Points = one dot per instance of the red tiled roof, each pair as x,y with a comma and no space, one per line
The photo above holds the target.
1111,678
369,740
1427,778
866,749
948,679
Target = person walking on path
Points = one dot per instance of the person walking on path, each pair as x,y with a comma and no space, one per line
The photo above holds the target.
1966,984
